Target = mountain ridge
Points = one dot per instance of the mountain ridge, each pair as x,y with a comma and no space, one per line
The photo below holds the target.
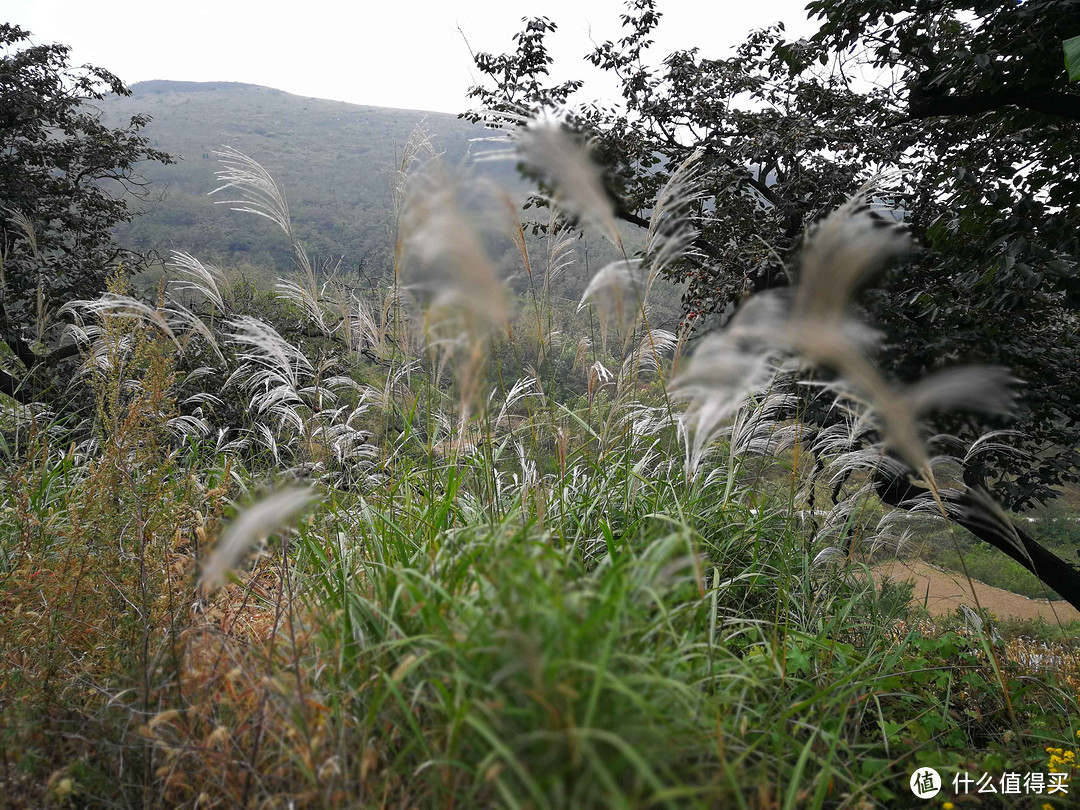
152,86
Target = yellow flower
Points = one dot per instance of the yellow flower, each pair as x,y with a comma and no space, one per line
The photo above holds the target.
64,788
948,806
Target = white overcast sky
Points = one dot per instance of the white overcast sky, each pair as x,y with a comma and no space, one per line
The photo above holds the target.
387,53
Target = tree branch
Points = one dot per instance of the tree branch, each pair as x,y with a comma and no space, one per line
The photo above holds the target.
1056,573
1059,104
31,359
701,243
11,337
60,353
13,387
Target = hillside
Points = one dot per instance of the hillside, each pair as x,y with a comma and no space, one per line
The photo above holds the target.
334,160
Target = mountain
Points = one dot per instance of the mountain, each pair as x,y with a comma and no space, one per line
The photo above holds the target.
334,160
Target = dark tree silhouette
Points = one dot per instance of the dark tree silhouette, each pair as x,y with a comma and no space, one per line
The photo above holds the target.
65,179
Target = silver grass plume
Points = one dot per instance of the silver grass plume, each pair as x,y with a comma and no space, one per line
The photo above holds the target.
523,390
121,306
646,356
443,258
270,515
671,233
616,292
263,349
309,295
372,324
204,279
725,368
547,146
623,288
560,247
813,322
417,151
259,194
23,223
992,443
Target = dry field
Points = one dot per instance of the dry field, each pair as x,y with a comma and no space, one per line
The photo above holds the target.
947,590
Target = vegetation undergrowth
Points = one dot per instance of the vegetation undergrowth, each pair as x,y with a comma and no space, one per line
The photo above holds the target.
483,552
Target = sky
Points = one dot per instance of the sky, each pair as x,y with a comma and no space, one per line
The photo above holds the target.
385,53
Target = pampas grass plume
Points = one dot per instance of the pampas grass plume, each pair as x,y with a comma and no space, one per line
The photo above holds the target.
269,515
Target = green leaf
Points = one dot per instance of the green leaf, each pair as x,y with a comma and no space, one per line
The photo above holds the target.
1072,58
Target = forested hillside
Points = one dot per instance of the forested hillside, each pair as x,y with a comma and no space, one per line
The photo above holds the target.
335,161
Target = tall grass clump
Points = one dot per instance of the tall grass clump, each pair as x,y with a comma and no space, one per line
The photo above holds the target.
96,558
441,543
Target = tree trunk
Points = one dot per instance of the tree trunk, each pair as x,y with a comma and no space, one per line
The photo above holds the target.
966,510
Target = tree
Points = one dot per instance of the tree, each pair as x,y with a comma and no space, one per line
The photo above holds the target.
64,179
973,108
981,96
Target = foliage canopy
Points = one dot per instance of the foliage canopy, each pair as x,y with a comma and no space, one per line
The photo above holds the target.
64,178
970,107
